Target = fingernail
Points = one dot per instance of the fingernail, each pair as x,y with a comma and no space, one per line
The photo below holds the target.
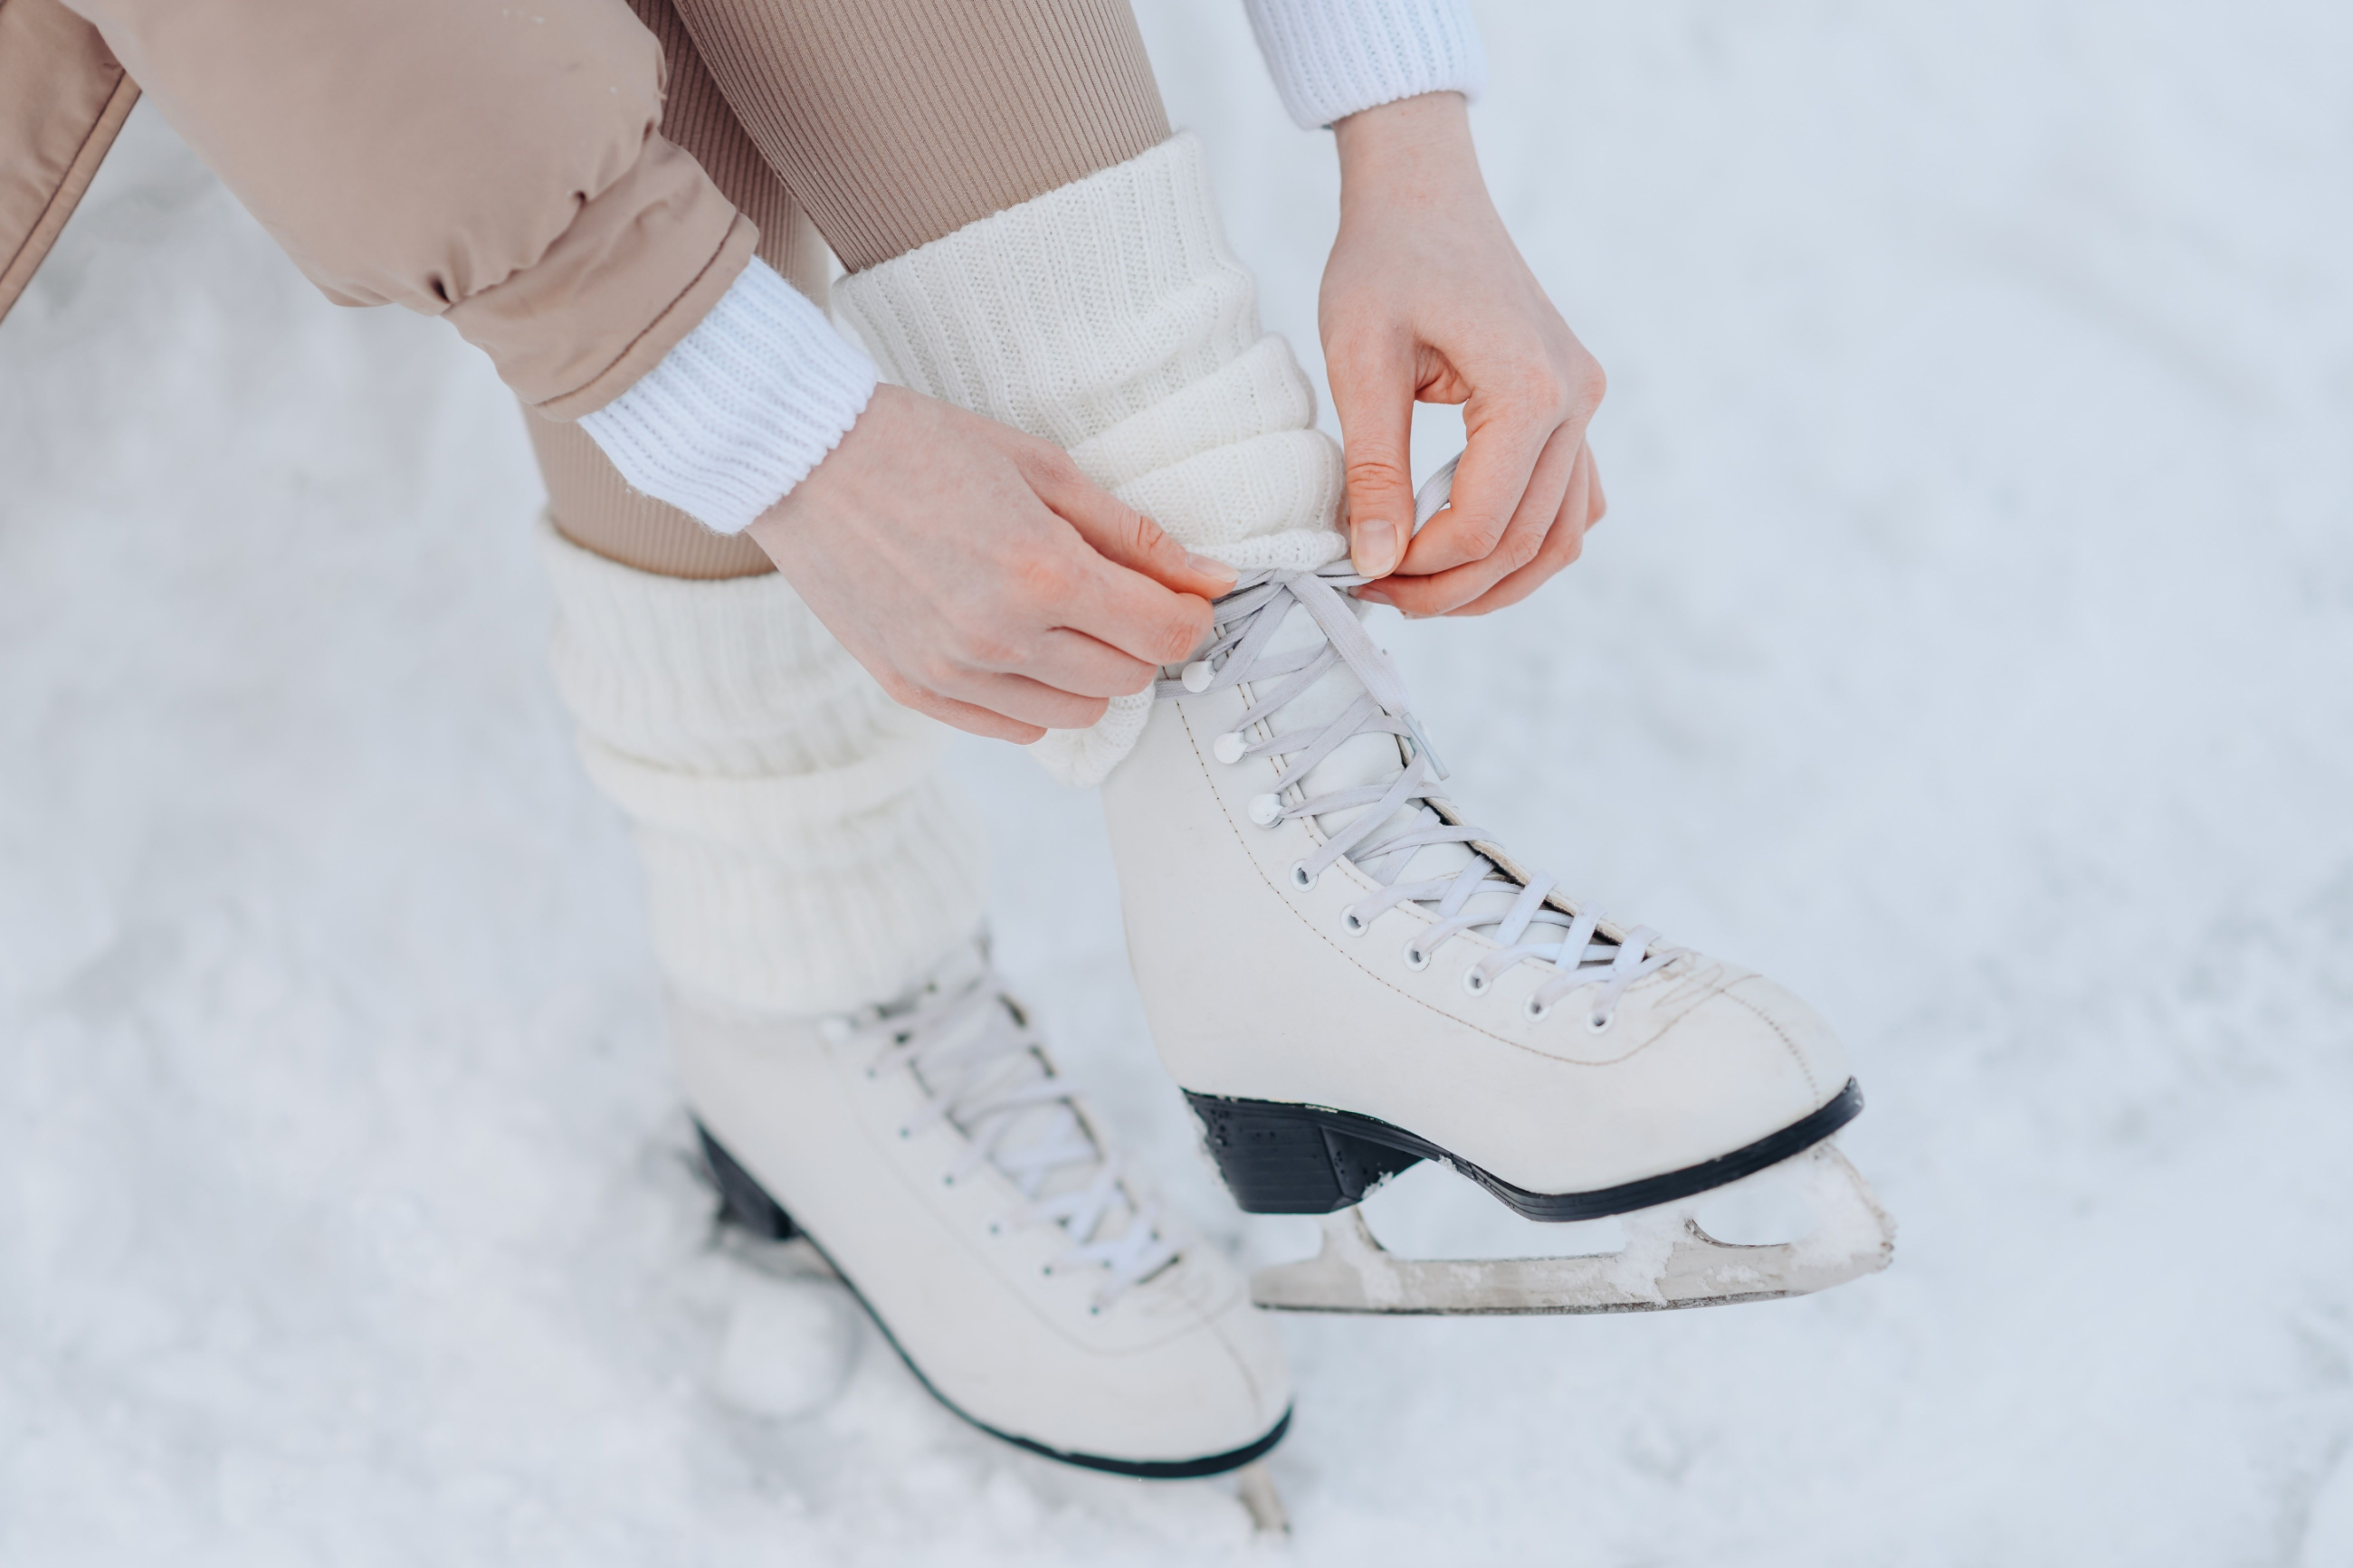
1377,546
1203,567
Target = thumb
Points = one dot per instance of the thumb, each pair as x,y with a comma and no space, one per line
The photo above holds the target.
1373,395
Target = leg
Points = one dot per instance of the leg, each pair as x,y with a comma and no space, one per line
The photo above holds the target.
802,849
813,883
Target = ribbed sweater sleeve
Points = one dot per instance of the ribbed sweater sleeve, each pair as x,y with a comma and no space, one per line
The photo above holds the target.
1331,58
742,407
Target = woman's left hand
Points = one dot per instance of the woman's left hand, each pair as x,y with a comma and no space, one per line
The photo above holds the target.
1426,298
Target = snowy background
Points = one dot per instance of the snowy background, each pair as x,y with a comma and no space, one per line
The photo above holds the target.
1969,646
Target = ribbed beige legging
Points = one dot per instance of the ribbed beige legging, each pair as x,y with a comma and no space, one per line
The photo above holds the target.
871,127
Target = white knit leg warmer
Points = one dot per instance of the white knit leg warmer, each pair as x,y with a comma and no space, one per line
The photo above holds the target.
802,851
1109,317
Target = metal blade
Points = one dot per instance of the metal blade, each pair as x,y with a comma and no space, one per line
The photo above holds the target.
1668,1261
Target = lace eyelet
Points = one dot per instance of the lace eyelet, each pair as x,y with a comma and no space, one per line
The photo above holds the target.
1198,676
1094,1311
1265,809
1598,1023
947,1181
906,1132
1299,877
1354,923
996,1229
1415,958
1228,747
1474,983
1534,1011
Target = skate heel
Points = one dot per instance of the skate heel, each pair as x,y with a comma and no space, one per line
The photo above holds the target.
1288,1159
742,1199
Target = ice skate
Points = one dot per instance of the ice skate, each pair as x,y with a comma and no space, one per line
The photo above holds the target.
858,1074
1347,978
928,1152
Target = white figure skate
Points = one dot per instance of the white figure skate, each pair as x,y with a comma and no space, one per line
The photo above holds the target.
928,1152
1347,978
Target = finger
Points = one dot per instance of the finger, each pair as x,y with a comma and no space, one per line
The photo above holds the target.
1599,506
1022,700
1372,391
1563,545
1523,537
1074,662
1509,436
1132,614
963,715
1120,533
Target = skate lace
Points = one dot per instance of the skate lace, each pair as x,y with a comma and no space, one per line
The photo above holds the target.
984,1070
1531,930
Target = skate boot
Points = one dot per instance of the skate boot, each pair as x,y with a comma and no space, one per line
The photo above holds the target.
928,1150
804,855
1347,977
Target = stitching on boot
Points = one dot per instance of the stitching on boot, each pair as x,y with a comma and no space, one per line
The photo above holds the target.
1730,993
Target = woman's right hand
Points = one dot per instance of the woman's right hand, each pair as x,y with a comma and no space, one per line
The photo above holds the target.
979,577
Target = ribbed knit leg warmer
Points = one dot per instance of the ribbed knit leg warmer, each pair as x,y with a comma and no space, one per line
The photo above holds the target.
802,851
1108,316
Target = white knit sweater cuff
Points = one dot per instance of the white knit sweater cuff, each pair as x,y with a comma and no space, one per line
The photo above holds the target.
742,408
1332,58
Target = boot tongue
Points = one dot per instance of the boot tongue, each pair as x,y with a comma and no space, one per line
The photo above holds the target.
1047,1123
1362,760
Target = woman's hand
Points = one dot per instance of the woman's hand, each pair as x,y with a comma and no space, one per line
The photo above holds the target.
1426,298
981,578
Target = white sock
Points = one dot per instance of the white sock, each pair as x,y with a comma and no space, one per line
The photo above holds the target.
802,851
1109,317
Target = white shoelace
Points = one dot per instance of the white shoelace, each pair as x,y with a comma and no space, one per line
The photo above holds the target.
983,1070
1529,930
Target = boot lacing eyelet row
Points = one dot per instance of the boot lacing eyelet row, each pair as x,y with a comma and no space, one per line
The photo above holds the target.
1577,954
981,1069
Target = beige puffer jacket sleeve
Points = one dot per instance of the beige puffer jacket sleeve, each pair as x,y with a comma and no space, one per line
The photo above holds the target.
495,163
62,99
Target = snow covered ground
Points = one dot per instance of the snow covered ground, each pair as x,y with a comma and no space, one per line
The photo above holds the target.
1970,645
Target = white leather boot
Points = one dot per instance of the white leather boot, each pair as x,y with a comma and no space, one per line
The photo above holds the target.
805,859
1345,977
928,1151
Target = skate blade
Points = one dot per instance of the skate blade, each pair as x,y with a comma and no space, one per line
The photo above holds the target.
1668,1261
1255,1485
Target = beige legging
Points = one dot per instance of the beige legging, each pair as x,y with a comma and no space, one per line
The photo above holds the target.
871,127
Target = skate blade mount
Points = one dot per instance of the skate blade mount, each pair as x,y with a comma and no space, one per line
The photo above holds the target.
1668,1260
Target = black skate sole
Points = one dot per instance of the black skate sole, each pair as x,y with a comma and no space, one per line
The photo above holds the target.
1308,1158
747,1204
